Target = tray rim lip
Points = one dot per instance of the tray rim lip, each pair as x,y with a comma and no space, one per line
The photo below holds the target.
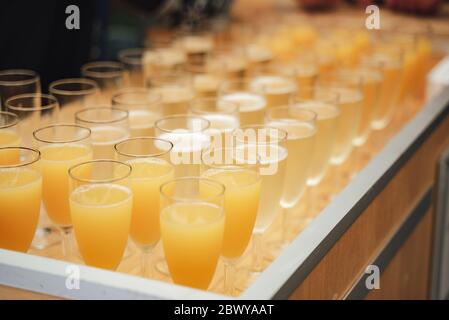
285,273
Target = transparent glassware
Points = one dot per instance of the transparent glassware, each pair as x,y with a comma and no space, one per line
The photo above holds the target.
9,130
61,146
144,107
108,125
101,208
73,95
149,158
20,197
132,59
17,81
238,169
192,227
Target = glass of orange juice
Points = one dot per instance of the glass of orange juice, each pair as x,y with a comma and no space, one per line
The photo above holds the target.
238,170
192,227
144,107
108,126
20,198
9,137
148,156
101,207
62,146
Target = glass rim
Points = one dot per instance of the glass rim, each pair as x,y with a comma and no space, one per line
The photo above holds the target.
61,125
53,102
279,140
94,86
124,56
135,90
74,167
122,118
21,164
218,184
9,114
28,72
131,155
218,101
180,116
118,66
286,107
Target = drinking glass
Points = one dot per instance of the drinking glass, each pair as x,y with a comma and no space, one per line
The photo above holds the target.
108,126
189,135
144,107
61,146
251,103
36,110
132,59
20,198
9,137
74,94
162,61
223,117
269,144
101,207
109,75
231,64
176,90
148,156
238,170
300,125
192,227
197,46
206,81
17,81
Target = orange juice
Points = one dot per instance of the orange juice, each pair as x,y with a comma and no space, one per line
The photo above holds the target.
241,202
101,218
192,236
20,202
55,163
9,138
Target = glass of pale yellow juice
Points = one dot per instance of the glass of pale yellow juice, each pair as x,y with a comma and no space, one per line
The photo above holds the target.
36,110
144,107
108,126
192,226
9,137
230,63
176,90
270,145
132,59
20,198
162,60
101,202
251,103
190,136
17,81
74,94
109,75
222,115
62,146
238,171
205,80
148,156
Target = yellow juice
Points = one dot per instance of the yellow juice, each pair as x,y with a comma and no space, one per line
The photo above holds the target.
301,149
55,163
350,104
175,100
192,237
251,107
272,184
277,90
221,126
9,138
241,203
101,218
104,138
206,85
371,93
327,118
146,177
20,203
141,123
